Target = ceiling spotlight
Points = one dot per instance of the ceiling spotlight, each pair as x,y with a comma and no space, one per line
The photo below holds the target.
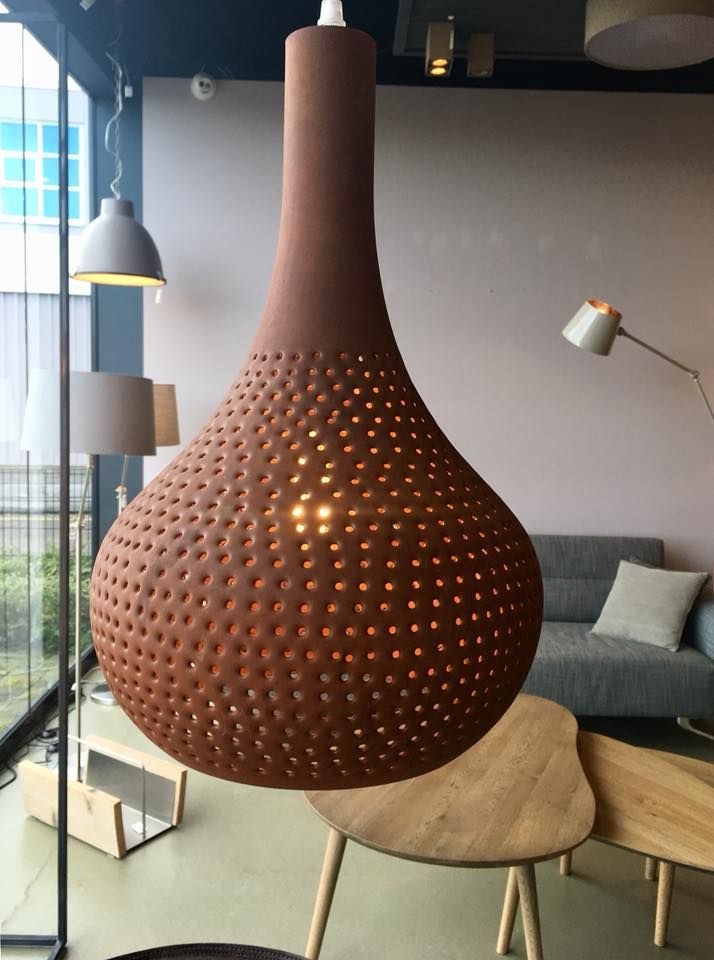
440,48
482,54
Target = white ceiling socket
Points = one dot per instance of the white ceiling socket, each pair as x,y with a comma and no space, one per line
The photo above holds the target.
331,14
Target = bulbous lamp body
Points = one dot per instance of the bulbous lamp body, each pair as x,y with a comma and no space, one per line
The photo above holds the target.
319,591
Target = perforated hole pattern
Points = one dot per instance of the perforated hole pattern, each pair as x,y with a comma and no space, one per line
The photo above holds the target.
319,591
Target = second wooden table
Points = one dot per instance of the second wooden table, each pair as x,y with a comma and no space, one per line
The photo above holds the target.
516,798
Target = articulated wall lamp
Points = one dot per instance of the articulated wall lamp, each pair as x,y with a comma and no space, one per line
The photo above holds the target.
596,326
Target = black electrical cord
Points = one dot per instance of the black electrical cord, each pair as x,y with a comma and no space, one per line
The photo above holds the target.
47,739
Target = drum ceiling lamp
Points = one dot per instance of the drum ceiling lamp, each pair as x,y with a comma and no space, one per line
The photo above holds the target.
649,34
115,248
319,591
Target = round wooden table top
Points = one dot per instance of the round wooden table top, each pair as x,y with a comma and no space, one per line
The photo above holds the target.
518,796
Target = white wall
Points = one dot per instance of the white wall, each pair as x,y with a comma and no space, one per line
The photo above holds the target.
497,213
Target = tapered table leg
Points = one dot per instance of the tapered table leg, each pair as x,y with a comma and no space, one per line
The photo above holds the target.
664,902
508,917
566,864
650,868
325,892
529,910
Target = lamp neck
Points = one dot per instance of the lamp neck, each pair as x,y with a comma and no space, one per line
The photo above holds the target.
326,290
658,353
694,374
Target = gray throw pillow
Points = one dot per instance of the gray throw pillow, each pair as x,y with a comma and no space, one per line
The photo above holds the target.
649,605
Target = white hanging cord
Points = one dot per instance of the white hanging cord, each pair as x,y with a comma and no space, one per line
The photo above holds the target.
112,141
331,14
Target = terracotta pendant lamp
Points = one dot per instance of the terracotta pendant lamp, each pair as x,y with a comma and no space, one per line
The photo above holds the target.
319,592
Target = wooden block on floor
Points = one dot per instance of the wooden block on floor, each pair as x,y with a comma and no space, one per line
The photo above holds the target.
92,816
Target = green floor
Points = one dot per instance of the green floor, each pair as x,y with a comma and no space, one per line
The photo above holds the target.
244,865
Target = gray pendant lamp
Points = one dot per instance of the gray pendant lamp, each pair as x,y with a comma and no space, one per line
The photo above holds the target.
115,248
649,34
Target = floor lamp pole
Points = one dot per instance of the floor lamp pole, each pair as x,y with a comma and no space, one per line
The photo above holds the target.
121,489
78,615
102,692
694,374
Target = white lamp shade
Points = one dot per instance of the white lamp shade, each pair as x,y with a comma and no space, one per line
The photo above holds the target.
594,327
109,414
115,249
166,415
649,34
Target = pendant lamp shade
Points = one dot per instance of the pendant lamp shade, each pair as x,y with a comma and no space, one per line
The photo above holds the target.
116,249
594,327
319,591
649,34
109,414
166,415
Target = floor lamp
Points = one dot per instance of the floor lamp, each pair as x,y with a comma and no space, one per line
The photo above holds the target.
594,328
167,435
109,414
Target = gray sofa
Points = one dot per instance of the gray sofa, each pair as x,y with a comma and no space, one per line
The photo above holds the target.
600,676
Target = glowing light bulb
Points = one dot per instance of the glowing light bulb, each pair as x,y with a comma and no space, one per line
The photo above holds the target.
438,71
323,512
298,511
440,62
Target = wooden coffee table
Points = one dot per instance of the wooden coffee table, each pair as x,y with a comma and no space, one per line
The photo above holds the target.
517,797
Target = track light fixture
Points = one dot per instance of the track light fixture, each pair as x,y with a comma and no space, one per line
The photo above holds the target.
440,48
481,56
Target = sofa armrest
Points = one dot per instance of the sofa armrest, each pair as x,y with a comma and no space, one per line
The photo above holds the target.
699,629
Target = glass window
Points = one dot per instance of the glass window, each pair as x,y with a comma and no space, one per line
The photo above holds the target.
74,204
11,136
18,170
13,202
50,171
41,170
29,323
50,204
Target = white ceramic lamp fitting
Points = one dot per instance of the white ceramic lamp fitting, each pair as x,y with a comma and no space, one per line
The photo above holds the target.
331,14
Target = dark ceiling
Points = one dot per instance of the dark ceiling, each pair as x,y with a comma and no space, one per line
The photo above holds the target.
538,42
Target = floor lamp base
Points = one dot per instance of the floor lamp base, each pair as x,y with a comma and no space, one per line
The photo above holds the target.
103,695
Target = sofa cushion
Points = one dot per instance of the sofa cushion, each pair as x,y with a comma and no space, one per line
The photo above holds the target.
601,676
579,571
649,605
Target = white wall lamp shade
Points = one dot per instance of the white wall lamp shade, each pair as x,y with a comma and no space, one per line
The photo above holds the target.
594,327
109,414
116,249
166,415
649,34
